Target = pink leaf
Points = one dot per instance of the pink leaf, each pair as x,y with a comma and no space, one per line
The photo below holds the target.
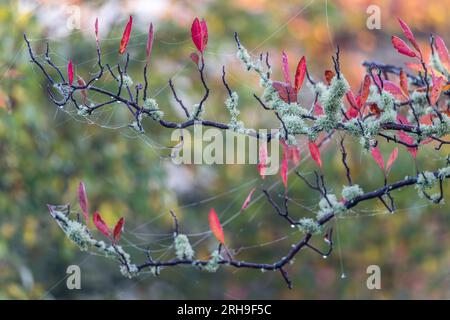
300,74
408,34
404,83
409,140
83,201
199,34
442,51
148,50
402,47
248,199
96,31
377,80
204,33
391,159
285,67
285,91
284,167
315,153
215,226
365,91
417,67
195,58
294,154
351,99
402,119
101,225
318,110
262,164
70,72
126,36
436,89
376,154
352,111
118,229
393,89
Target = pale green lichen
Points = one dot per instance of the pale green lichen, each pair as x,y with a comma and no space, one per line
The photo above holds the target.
232,105
197,112
330,205
213,263
309,225
254,64
444,172
183,249
351,192
152,108
130,271
425,180
136,125
332,101
127,81
80,236
83,111
386,101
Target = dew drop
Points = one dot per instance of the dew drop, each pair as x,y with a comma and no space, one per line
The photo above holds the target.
343,276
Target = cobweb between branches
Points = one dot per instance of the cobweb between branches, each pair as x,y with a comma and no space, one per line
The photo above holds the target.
145,237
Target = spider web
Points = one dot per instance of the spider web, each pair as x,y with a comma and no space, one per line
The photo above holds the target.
142,238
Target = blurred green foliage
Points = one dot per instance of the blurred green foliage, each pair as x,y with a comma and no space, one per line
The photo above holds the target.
44,153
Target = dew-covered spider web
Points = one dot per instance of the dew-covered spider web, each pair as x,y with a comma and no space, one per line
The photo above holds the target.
148,238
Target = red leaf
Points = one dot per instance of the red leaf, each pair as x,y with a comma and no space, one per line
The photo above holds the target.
402,47
352,111
393,89
318,110
294,154
96,30
248,199
442,51
118,229
300,74
126,36
365,91
84,94
204,33
315,153
262,164
391,159
100,224
377,79
285,67
376,154
436,89
417,67
83,201
195,58
408,34
404,83
215,226
284,166
70,72
409,140
285,91
329,75
149,43
199,34
351,99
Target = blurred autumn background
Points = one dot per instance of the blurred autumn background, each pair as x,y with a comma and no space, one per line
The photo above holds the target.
44,153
